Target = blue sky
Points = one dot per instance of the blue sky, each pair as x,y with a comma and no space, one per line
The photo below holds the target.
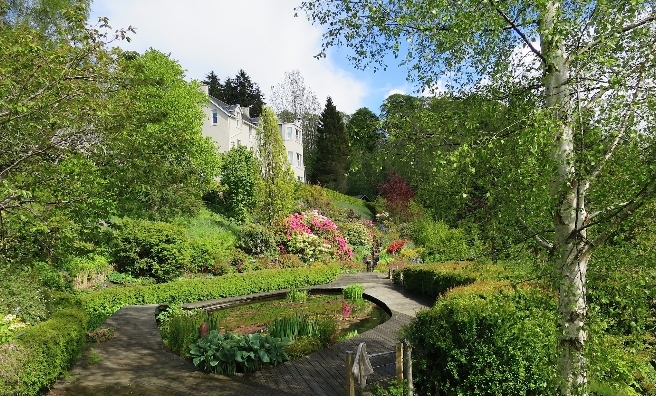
260,36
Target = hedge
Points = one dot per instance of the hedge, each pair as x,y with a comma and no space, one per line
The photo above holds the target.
435,279
42,352
100,305
486,338
337,196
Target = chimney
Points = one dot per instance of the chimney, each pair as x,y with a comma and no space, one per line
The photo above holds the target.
204,88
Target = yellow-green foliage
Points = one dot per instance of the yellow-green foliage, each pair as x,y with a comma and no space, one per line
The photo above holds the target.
434,279
104,303
486,338
43,351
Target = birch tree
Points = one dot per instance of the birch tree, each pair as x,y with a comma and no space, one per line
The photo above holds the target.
590,65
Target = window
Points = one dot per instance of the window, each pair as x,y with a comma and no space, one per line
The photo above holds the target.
232,144
290,154
238,142
250,135
238,119
289,133
215,117
299,160
300,178
298,135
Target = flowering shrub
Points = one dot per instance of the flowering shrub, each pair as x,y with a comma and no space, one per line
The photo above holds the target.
8,326
396,246
359,234
311,235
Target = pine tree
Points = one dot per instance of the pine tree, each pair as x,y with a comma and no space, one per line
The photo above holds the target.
332,152
214,84
243,91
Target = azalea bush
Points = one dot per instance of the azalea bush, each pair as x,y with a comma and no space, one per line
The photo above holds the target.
311,236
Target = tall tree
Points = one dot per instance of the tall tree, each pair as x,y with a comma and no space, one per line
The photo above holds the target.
365,137
240,173
276,188
213,84
591,67
292,100
50,17
243,91
332,151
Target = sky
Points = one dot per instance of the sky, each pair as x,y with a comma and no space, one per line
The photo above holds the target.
260,36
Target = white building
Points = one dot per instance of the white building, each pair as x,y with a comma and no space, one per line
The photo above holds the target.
231,125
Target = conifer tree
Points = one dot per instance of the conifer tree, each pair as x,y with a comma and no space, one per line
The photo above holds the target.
332,152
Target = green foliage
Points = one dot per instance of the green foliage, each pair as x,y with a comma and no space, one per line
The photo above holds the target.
353,292
179,328
317,198
293,327
276,188
22,294
295,295
486,339
150,249
331,154
9,325
103,303
357,234
239,176
256,239
225,353
436,279
443,243
43,351
395,388
289,261
239,89
302,347
327,330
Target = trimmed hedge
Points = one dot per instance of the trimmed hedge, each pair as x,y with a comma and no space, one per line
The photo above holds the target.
100,305
435,279
486,339
43,351
337,196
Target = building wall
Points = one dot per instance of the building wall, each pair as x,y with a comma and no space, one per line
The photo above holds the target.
292,137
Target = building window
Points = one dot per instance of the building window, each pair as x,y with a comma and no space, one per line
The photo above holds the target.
215,117
238,120
238,142
299,160
298,135
290,154
250,135
232,144
300,178
289,133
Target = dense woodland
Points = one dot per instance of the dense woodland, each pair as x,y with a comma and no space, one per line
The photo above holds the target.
525,208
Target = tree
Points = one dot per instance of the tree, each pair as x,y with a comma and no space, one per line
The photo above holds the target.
239,175
46,16
331,157
365,137
292,100
240,90
590,64
213,84
154,156
276,190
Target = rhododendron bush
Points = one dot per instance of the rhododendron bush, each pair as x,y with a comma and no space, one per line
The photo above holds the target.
312,236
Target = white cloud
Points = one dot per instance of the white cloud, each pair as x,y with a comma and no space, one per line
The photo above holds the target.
400,90
260,36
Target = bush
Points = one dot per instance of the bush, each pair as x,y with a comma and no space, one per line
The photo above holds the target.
313,197
23,295
101,304
486,339
443,243
289,261
88,270
151,249
353,292
435,279
357,234
256,240
43,351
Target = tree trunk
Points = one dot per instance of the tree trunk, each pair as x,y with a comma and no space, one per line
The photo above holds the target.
570,213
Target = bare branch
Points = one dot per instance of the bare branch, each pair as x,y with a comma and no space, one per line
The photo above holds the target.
541,241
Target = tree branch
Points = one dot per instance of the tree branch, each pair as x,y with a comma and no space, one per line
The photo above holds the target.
519,32
541,241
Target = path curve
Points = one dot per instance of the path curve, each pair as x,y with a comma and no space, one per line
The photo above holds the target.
136,362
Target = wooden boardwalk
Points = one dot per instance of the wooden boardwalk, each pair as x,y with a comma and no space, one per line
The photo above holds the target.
137,363
324,372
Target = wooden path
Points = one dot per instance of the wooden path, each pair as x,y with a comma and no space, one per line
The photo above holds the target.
324,372
136,362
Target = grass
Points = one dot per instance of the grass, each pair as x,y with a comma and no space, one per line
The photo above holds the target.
359,209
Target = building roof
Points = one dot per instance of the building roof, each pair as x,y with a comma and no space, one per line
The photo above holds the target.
231,109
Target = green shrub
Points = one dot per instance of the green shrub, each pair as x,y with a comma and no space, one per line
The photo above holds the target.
23,295
314,197
435,279
90,268
289,261
357,234
43,351
295,295
302,346
443,243
179,328
486,339
255,239
353,292
208,256
152,249
101,304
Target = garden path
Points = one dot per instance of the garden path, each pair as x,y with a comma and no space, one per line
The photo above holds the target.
136,362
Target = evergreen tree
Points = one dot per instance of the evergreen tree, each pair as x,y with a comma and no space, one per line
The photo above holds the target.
276,189
332,152
243,91
213,83
364,135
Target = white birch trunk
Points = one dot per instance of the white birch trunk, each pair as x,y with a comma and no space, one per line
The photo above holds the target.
570,214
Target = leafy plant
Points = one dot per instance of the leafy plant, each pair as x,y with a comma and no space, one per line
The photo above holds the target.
353,292
101,334
327,330
226,353
297,295
256,239
9,324
292,327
